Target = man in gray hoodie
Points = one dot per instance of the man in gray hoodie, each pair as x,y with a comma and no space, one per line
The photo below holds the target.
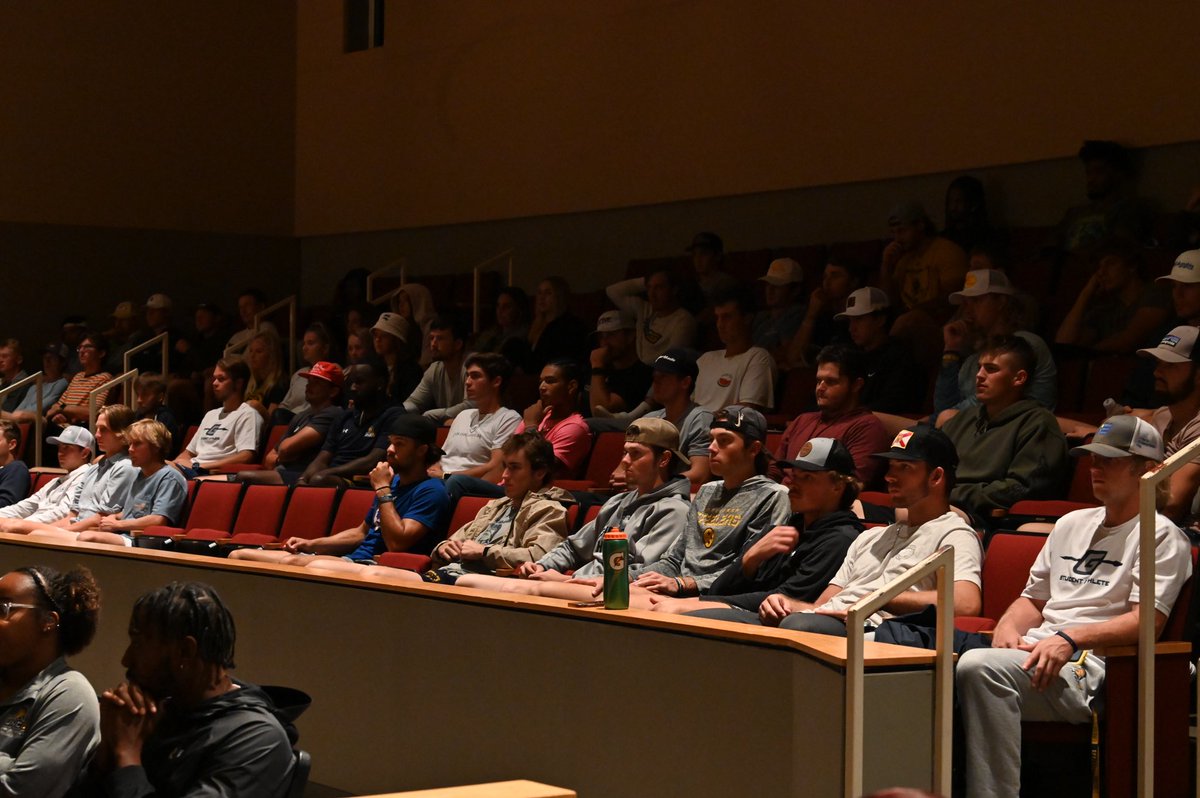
652,514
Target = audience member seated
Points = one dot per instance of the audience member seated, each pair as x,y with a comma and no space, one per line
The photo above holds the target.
989,310
315,346
708,264
410,511
966,214
49,712
14,474
662,322
1116,311
555,416
776,324
11,371
72,331
358,346
439,394
1111,209
727,515
795,561
357,441
1082,595
307,432
920,477
1184,281
521,527
555,332
841,376
103,488
652,513
414,303
156,498
158,321
920,269
250,303
894,383
395,340
620,381
473,451
122,336
180,724
76,446
741,373
268,383
54,360
229,433
1177,386
151,393
674,378
510,335
206,345
72,406
1009,447
820,327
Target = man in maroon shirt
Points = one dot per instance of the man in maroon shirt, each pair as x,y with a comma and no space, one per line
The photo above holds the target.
841,375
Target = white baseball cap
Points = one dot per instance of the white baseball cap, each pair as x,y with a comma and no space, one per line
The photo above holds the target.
783,271
613,320
864,301
75,436
983,281
1176,346
1186,268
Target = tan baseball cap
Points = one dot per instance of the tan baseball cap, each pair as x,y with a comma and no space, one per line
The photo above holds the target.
983,281
656,432
783,271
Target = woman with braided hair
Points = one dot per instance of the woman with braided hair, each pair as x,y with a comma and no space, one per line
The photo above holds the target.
49,714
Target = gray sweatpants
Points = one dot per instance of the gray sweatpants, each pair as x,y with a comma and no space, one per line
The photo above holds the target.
996,695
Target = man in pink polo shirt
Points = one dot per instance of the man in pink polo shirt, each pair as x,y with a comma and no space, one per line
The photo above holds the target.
557,418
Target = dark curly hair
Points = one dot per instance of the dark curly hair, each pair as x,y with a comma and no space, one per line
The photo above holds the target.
75,597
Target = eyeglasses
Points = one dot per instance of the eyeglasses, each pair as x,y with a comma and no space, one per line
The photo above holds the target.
6,608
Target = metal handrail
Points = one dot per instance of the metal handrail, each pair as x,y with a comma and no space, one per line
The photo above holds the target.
290,302
476,282
1147,633
940,562
398,265
37,378
93,409
165,341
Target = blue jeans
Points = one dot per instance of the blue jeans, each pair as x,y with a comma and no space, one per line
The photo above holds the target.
460,485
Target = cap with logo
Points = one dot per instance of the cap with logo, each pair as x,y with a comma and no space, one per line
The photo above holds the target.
417,427
680,362
393,324
1186,268
324,370
864,301
1177,346
124,310
925,444
1122,436
744,420
983,281
74,436
158,302
656,432
613,320
783,271
707,241
823,454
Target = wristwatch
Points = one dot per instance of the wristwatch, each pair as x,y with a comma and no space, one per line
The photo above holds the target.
387,497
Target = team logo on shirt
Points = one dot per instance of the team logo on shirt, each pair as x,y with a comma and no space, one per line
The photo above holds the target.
1086,566
725,380
710,537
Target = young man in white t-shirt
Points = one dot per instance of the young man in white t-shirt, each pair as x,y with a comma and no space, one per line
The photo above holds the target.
1082,594
741,373
472,451
229,434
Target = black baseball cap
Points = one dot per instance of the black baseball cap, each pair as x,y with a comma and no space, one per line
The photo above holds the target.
746,421
923,443
417,427
823,454
681,362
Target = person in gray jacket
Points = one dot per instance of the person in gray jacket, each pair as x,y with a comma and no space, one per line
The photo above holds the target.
653,514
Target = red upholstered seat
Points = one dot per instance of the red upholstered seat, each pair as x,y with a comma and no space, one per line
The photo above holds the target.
307,516
213,507
352,508
259,513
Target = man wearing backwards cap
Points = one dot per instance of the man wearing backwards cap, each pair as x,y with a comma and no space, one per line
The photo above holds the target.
652,514
619,380
793,561
306,433
410,511
1082,594
726,516
920,475
53,501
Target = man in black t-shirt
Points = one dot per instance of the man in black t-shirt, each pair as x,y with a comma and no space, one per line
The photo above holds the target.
895,383
620,381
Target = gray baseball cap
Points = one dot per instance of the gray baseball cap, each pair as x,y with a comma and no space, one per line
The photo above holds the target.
1122,436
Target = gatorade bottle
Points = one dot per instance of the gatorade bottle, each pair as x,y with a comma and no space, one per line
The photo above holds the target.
616,570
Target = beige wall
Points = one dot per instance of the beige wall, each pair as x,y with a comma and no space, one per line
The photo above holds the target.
479,110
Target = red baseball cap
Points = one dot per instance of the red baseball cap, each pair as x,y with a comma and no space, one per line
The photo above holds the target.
324,370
